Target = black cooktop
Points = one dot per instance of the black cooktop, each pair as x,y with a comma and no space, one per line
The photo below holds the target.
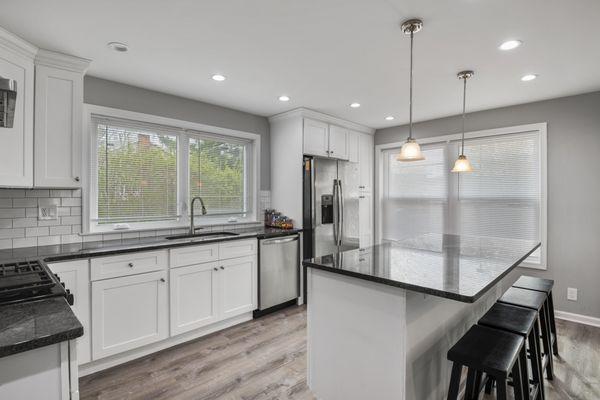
26,281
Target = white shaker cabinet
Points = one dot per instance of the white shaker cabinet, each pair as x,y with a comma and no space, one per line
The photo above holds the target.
129,312
58,119
238,286
194,296
316,138
338,142
366,162
76,276
16,149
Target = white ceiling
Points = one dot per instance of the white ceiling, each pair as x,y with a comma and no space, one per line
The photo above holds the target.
326,54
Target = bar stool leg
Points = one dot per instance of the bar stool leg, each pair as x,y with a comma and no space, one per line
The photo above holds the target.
470,388
524,372
501,389
489,385
478,378
518,380
546,341
536,363
454,381
552,323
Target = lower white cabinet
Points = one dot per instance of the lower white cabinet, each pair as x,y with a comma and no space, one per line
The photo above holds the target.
365,219
238,286
194,296
76,276
129,312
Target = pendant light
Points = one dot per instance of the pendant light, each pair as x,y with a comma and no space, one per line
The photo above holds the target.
463,164
411,151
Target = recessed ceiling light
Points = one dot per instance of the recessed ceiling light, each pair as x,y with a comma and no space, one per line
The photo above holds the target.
354,105
528,77
118,46
510,44
389,118
218,78
284,98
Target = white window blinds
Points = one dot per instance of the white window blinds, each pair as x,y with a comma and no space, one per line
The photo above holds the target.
501,198
136,172
218,171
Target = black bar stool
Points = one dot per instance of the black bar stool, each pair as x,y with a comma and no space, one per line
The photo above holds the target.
491,351
521,321
546,286
535,301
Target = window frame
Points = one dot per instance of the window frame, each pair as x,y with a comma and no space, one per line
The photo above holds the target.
183,130
539,128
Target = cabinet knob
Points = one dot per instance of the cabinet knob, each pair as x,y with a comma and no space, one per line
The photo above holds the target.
76,179
130,265
361,187
162,279
361,197
216,269
222,267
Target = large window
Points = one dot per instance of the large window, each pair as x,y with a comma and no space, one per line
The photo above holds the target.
143,175
503,197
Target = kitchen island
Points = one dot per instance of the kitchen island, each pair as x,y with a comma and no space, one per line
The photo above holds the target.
381,319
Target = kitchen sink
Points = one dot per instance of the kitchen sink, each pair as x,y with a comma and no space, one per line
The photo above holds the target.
206,235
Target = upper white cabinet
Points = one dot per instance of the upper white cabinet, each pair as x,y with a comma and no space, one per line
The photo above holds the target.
16,151
316,138
58,119
325,140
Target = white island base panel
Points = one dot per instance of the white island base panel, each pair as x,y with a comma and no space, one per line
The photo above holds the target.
372,341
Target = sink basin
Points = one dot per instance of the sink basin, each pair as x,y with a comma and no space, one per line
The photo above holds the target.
202,235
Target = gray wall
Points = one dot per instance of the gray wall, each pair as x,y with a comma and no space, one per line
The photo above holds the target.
573,186
117,95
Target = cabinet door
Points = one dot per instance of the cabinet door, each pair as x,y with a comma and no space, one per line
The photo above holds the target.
58,127
365,161
16,149
237,278
193,297
365,220
316,138
76,276
129,312
338,142
353,146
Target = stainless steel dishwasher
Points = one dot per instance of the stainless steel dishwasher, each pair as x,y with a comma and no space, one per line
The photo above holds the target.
278,273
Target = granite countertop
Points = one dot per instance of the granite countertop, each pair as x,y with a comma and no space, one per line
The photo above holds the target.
456,267
97,249
29,325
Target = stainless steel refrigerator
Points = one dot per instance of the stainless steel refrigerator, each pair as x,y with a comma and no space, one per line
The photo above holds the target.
330,206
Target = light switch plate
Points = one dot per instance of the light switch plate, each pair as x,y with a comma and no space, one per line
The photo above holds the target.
48,213
572,294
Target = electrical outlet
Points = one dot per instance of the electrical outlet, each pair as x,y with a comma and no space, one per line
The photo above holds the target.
572,294
48,213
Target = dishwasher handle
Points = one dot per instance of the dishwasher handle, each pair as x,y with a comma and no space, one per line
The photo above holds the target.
279,241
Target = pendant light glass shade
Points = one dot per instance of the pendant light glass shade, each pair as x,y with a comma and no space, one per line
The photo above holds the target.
462,164
410,151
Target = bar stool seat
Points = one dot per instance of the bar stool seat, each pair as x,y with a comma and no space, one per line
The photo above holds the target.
522,321
546,286
490,351
534,300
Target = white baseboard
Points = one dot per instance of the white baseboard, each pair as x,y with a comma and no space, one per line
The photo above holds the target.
581,319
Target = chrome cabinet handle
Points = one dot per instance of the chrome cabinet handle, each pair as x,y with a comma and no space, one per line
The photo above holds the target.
130,265
361,187
216,269
76,179
361,197
162,279
222,267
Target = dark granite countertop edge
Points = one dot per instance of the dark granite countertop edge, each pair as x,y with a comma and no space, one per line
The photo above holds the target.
32,344
421,289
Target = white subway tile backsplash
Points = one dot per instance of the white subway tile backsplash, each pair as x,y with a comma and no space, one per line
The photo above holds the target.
48,240
76,193
50,201
37,231
60,193
75,220
6,223
48,222
76,229
63,211
24,222
12,212
12,233
71,202
66,239
31,212
24,202
92,238
75,210
37,193
24,242
111,236
60,230
6,243
5,203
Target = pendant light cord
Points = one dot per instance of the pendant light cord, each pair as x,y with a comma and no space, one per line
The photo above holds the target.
462,151
410,102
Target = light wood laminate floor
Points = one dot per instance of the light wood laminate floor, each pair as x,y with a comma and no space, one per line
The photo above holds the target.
266,359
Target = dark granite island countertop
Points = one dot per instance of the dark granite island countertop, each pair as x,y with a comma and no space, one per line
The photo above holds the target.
29,325
456,267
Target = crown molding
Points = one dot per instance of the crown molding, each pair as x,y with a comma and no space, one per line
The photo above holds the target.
63,61
306,112
16,45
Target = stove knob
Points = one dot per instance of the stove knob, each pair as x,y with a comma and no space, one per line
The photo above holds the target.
57,277
70,298
63,284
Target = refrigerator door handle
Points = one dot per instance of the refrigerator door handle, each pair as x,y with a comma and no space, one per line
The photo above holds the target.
335,212
341,211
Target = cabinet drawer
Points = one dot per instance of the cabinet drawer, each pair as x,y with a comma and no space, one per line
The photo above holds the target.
128,264
237,248
194,255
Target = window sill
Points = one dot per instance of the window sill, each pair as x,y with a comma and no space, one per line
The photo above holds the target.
173,227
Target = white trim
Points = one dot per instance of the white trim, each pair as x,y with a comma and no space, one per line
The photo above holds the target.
541,127
308,113
88,192
11,42
62,61
578,318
